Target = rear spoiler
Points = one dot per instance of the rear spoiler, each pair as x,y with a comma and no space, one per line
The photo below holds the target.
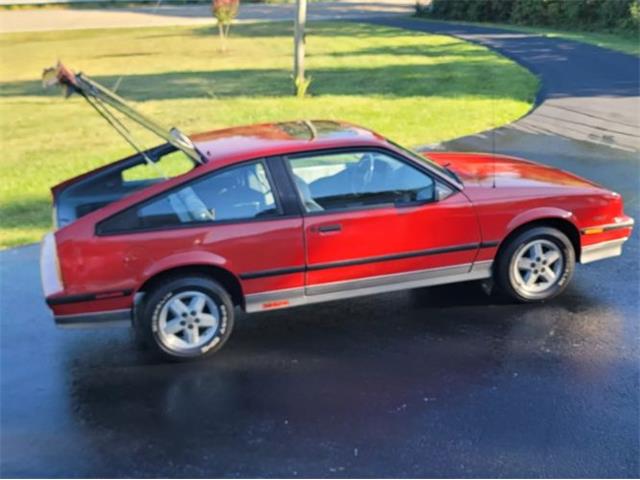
99,97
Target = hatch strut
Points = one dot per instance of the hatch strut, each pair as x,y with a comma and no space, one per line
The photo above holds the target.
97,96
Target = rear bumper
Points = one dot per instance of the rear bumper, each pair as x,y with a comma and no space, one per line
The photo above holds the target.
104,308
92,309
49,268
95,319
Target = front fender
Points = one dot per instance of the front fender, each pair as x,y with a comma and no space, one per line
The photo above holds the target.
541,213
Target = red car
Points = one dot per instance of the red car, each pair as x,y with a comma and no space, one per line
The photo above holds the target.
279,215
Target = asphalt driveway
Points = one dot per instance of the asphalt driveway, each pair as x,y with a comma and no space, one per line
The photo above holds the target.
431,382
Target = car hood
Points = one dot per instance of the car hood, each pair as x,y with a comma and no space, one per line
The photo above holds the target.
487,170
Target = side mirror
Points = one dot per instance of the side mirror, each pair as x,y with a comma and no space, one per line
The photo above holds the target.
442,192
423,196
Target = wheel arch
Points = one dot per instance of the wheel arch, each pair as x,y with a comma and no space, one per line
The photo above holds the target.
228,280
562,223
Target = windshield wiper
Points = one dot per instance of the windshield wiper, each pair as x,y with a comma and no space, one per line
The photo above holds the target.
452,173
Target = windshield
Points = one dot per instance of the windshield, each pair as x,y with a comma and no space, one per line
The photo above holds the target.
416,156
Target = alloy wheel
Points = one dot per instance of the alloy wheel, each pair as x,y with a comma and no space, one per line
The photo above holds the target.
188,321
537,266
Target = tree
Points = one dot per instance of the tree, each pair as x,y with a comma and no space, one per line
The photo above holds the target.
224,11
300,82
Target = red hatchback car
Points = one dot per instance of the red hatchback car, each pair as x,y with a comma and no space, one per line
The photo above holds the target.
280,215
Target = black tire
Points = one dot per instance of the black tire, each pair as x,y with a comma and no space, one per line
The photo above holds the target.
154,312
511,279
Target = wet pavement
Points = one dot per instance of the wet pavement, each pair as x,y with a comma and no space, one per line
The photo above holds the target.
430,382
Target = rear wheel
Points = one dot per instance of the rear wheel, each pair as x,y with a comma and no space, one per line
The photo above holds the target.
186,318
536,265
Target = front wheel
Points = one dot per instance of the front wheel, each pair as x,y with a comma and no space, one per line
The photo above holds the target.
536,265
187,318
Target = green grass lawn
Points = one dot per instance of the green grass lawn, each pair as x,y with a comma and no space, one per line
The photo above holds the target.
415,88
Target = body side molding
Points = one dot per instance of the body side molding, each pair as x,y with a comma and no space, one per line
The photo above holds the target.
362,261
367,286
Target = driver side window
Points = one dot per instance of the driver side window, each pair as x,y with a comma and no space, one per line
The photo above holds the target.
346,180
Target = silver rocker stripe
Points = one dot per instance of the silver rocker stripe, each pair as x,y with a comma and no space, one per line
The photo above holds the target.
602,250
367,286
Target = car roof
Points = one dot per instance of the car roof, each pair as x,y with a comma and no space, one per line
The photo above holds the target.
253,141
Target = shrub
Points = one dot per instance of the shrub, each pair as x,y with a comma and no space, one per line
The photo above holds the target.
529,12
501,10
225,12
610,14
584,14
633,22
302,85
479,11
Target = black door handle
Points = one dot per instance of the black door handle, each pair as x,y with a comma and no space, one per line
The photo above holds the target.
330,228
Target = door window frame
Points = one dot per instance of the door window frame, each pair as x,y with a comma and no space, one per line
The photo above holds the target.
346,150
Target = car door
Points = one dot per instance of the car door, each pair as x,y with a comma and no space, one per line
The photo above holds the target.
234,217
373,218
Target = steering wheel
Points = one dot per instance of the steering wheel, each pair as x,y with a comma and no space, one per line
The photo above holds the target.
368,163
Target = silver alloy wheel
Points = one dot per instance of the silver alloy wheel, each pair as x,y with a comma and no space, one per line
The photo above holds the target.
537,266
188,321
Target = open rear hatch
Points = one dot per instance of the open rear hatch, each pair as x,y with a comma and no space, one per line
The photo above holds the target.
95,189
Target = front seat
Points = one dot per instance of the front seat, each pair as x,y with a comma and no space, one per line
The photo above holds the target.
305,193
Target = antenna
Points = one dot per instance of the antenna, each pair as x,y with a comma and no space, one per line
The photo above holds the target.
493,141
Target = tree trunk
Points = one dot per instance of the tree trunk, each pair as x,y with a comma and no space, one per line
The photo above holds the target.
223,37
298,57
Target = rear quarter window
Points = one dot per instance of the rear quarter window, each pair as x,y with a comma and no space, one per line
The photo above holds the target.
238,193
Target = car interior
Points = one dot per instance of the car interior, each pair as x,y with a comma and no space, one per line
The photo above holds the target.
118,181
354,180
371,178
235,193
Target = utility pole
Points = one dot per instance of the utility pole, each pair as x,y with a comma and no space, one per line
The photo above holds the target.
298,39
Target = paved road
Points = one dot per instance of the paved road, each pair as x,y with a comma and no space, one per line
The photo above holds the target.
431,382
27,20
